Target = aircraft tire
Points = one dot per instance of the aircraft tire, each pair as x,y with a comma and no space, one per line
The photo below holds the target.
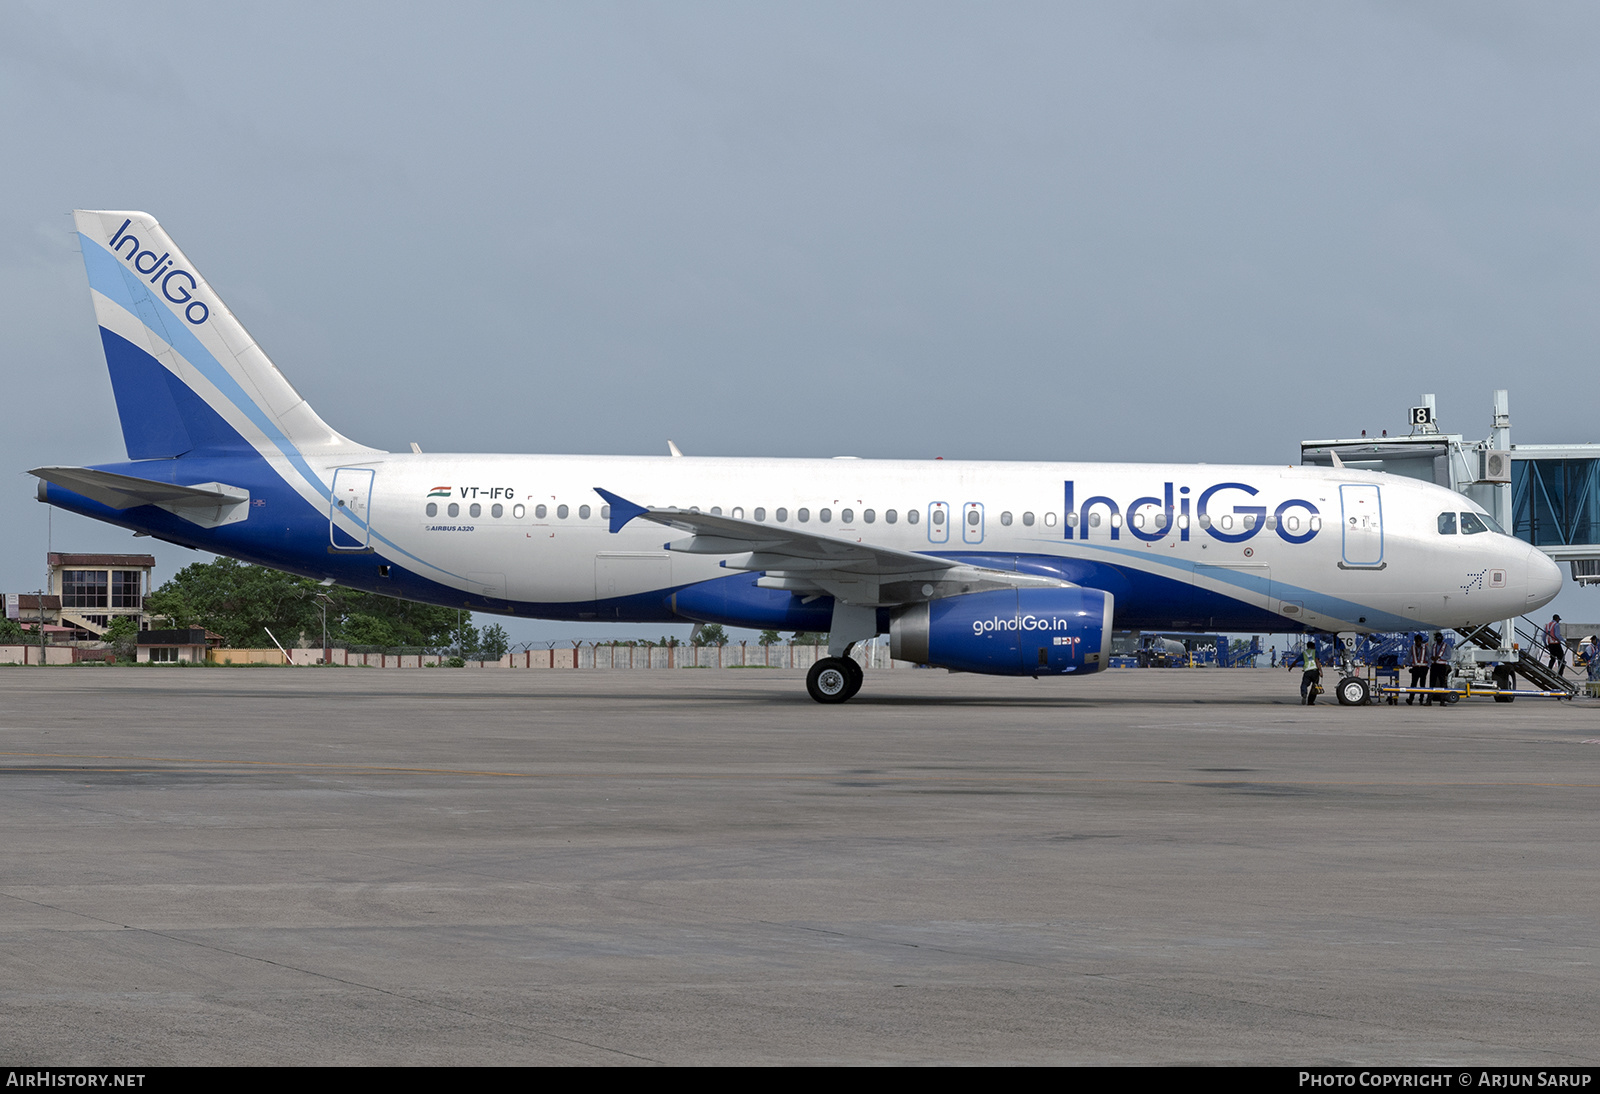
829,681
1504,681
1353,692
857,675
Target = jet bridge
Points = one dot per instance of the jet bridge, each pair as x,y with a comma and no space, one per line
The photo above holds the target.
1546,494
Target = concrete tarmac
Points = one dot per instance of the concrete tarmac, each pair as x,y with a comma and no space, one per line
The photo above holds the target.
283,866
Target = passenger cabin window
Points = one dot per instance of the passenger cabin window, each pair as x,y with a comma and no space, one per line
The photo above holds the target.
1005,518
825,515
432,510
497,510
583,512
454,510
738,512
519,511
868,515
973,518
605,512
475,510
803,515
938,516
1027,520
1050,520
1471,525
716,510
541,511
761,512
783,515
847,516
912,516
890,516
1447,524
562,511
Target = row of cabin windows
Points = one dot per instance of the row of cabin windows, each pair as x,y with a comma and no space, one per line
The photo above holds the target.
518,511
1227,522
869,516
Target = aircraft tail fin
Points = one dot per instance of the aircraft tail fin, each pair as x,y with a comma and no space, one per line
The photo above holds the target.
188,378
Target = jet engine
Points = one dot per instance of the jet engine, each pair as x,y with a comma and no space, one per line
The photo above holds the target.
1008,632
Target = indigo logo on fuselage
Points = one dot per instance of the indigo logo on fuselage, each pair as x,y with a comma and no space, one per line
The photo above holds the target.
176,285
1295,520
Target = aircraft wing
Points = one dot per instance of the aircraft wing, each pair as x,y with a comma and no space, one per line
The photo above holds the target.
807,563
207,504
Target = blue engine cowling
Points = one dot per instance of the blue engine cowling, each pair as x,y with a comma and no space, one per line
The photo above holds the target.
1008,632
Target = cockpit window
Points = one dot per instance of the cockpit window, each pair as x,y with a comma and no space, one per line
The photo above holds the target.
1447,524
1472,524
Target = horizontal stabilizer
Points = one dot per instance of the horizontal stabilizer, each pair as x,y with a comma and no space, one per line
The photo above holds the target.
208,504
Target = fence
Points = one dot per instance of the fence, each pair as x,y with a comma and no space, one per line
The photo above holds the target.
606,657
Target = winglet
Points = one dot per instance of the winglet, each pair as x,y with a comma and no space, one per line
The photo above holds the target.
622,510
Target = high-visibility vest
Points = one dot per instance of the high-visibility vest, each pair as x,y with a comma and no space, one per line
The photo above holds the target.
1552,633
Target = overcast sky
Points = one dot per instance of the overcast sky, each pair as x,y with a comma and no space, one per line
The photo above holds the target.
1160,231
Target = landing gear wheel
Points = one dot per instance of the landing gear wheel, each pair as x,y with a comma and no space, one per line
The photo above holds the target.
1353,692
1504,681
829,681
857,676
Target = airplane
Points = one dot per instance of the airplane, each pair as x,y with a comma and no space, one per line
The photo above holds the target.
1013,569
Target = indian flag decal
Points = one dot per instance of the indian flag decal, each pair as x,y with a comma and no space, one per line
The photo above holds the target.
439,492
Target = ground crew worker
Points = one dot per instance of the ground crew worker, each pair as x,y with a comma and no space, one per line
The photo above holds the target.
1556,645
1419,665
1438,666
1311,678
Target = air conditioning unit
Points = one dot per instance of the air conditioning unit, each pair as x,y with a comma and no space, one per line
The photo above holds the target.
1494,465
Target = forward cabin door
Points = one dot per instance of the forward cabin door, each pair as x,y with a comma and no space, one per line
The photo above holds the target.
1361,508
349,509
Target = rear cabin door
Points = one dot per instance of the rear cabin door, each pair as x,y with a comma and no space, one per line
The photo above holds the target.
349,509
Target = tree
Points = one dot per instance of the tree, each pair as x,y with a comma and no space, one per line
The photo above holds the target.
493,643
240,601
711,634
123,634
810,638
10,632
769,638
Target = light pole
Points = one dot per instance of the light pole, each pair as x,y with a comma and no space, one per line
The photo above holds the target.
323,600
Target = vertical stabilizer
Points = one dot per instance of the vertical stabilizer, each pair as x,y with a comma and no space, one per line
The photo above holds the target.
188,378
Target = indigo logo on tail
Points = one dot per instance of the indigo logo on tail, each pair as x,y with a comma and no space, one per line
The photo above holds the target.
173,287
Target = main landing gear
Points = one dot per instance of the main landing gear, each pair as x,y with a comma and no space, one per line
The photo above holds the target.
834,679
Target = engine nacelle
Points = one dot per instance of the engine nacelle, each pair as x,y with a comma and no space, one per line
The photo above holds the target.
1008,632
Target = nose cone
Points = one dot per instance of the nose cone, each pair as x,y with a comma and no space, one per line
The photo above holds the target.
1544,579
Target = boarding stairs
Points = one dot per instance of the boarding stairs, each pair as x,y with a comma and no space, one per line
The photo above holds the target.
1529,663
